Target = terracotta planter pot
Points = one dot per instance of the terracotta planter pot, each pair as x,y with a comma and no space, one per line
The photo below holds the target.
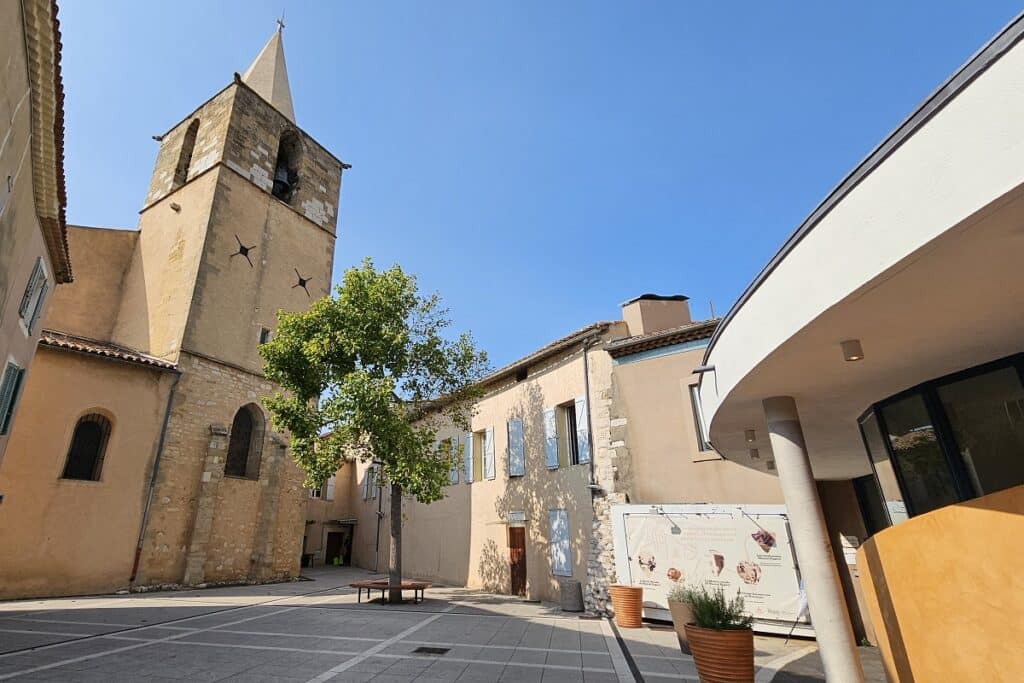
722,656
681,616
628,603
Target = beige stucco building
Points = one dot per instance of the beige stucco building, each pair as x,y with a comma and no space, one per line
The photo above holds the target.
604,415
33,243
141,455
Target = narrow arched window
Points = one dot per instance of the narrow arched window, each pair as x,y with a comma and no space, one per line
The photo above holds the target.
245,443
188,144
286,169
88,444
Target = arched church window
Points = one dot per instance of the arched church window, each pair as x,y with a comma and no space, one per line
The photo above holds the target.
88,445
286,169
188,144
245,443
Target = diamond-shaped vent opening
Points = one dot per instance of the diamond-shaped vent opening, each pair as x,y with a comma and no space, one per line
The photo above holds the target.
431,650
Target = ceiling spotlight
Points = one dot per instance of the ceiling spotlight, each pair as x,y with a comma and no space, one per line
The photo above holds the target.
750,435
755,454
852,350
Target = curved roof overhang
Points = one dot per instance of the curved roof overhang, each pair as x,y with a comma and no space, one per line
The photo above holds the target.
917,253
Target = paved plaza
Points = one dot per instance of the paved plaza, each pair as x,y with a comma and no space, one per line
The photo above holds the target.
316,631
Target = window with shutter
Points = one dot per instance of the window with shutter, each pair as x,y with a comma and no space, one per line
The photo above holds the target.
561,552
550,439
698,419
31,308
330,489
489,470
453,474
30,289
516,451
467,458
10,388
582,430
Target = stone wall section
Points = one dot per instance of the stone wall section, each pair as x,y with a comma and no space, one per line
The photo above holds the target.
612,474
207,528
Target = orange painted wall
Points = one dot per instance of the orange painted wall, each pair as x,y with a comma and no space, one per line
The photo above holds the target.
946,592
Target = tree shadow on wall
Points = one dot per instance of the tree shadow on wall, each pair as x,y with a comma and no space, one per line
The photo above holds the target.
537,492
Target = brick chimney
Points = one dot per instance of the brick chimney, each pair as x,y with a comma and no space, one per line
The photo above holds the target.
649,313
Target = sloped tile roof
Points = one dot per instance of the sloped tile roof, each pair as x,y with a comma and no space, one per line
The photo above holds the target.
69,342
702,329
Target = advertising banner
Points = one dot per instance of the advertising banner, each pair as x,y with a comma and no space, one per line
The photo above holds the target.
744,550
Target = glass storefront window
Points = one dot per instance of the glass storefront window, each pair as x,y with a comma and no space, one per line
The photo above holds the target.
920,461
986,414
891,495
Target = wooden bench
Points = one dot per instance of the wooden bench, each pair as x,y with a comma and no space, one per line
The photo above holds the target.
382,585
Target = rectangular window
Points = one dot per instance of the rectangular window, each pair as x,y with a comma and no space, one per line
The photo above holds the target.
265,335
561,552
986,415
34,296
892,498
698,420
516,450
920,461
453,453
329,489
479,442
370,483
314,493
10,389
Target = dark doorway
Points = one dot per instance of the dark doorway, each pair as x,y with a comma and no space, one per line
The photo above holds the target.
339,545
517,558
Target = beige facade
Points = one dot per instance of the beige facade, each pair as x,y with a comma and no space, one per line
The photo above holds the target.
158,337
640,429
33,251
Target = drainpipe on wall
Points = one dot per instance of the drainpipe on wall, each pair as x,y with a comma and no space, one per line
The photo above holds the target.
152,478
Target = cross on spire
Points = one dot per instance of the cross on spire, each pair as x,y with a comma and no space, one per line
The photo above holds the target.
280,22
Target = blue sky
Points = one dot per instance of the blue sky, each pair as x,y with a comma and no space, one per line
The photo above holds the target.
536,163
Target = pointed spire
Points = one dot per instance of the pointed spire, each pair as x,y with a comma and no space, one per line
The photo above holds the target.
268,76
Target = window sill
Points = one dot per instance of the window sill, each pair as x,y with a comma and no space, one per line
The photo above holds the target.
69,480
238,478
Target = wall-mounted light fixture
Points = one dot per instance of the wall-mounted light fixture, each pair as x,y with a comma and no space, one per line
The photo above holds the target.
852,350
750,435
755,454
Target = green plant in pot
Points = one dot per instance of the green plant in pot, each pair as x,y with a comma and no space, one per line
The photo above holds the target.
720,636
681,614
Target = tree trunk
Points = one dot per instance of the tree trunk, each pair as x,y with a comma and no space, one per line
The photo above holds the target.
395,566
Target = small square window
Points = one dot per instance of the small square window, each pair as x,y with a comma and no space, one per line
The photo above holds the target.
265,335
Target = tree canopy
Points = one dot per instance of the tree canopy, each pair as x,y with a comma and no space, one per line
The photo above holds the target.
369,374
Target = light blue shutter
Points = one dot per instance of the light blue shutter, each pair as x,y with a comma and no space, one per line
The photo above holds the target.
516,454
30,288
453,475
467,458
582,430
489,453
330,489
561,553
550,439
38,310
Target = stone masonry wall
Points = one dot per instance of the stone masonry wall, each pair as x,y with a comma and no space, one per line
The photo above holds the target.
612,474
223,526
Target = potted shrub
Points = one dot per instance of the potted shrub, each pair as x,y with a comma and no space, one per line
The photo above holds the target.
720,637
681,615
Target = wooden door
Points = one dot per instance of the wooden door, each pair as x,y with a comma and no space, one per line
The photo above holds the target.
517,558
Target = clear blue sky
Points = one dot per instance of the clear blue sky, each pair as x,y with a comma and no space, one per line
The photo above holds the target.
536,163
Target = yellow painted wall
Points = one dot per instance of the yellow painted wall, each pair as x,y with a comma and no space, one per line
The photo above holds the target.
946,592
68,537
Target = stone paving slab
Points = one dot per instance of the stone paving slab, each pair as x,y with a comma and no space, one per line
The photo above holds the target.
313,631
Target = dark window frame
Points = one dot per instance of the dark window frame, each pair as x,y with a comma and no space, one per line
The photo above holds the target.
252,451
71,464
928,391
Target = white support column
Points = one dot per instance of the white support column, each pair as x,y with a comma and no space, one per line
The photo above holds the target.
811,540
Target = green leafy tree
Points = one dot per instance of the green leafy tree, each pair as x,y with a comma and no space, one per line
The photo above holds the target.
369,375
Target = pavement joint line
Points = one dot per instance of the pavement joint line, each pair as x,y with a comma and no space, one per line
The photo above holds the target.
42,633
674,677
622,668
344,666
278,634
508,647
275,648
66,621
126,648
766,673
